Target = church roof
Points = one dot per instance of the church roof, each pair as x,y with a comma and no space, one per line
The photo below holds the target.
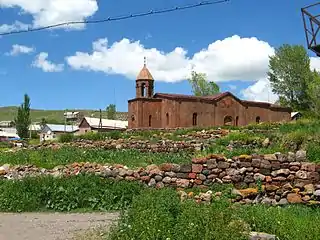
144,74
182,96
215,97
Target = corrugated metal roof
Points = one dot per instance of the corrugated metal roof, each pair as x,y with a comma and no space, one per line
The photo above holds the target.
62,128
106,123
294,114
35,127
7,134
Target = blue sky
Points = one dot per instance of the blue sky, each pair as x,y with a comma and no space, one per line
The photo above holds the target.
93,82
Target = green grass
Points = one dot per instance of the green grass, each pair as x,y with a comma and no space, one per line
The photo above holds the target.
52,116
158,214
80,193
49,158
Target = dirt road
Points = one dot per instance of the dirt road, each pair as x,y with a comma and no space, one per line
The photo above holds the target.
51,226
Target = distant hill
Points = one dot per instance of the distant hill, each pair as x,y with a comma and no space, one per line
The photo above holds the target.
53,116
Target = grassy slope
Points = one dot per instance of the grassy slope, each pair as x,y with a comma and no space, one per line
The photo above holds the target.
8,113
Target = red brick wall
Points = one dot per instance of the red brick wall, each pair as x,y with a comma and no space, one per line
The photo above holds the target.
180,113
141,109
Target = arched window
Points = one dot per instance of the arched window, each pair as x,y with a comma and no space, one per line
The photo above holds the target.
237,120
227,120
258,120
143,89
194,119
150,119
167,118
132,118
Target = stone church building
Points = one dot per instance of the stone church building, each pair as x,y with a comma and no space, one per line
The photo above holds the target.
163,110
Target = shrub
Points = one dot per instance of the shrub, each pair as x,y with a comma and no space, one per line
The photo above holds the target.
93,136
313,152
158,214
288,223
66,194
114,135
66,137
5,145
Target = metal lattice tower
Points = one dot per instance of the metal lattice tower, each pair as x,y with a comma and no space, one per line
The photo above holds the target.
311,22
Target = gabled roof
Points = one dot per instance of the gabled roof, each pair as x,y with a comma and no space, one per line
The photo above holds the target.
187,97
215,98
106,123
62,128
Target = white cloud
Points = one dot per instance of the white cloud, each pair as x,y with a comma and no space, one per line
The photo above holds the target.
43,63
48,12
16,26
260,91
315,63
20,49
233,58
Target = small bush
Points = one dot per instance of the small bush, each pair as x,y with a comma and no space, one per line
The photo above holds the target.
158,214
114,135
66,137
313,152
66,194
288,223
5,145
92,136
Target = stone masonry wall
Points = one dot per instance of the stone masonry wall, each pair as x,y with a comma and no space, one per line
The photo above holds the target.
283,177
193,141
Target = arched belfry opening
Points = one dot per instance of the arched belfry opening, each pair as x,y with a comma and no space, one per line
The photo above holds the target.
144,83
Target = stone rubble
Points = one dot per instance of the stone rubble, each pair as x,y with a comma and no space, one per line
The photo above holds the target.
273,179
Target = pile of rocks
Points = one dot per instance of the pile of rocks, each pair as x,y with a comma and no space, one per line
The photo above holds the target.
271,178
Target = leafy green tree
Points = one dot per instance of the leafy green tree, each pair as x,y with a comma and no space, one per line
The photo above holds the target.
111,111
23,120
290,75
314,93
43,122
200,85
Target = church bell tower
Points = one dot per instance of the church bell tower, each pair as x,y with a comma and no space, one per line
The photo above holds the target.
144,83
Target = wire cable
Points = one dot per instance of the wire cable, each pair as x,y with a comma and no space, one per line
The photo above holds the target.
117,18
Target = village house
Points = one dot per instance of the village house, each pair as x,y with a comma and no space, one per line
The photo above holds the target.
89,124
7,136
162,110
51,132
6,124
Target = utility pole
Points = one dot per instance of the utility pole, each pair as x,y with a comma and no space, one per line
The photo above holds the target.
100,120
65,121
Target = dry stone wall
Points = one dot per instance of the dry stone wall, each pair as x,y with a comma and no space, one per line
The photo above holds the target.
272,178
193,141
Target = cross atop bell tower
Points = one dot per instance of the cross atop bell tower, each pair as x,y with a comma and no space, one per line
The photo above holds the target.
144,82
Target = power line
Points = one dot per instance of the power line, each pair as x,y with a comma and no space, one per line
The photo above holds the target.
117,18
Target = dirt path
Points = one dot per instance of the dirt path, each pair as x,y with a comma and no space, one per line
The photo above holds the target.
51,226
